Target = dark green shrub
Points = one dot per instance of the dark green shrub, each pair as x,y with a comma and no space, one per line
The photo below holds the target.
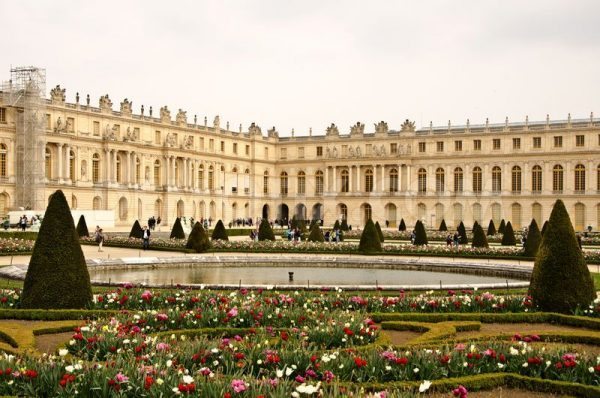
344,225
136,230
336,225
369,240
82,228
219,233
265,232
443,226
491,228
402,226
302,226
379,232
501,227
479,238
316,235
57,276
533,240
420,234
177,230
462,234
198,239
544,227
508,238
561,280
294,222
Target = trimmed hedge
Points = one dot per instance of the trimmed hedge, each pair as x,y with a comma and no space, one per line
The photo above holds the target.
491,228
402,226
177,230
420,234
316,235
502,226
265,232
534,238
27,235
82,228
219,233
479,238
508,237
443,226
369,240
462,234
379,232
344,225
136,230
54,315
198,240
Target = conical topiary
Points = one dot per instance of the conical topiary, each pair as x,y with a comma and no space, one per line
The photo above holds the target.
302,226
561,281
544,227
82,228
491,228
369,240
379,232
533,240
316,235
479,238
443,226
219,233
57,276
198,239
462,234
336,225
294,222
501,227
344,225
508,238
420,234
177,230
136,230
402,226
265,232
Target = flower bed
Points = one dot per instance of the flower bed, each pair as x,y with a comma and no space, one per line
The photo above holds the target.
11,246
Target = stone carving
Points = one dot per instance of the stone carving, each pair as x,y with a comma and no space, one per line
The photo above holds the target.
105,103
147,175
255,129
57,95
381,127
273,133
181,117
195,119
129,135
126,106
83,169
382,151
171,141
334,152
357,129
358,152
217,122
332,130
351,152
87,100
376,151
60,127
165,113
407,126
188,142
110,134
77,97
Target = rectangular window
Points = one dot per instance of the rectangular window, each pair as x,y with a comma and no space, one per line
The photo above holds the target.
516,143
235,148
537,142
579,140
157,137
301,152
477,145
558,141
458,146
211,145
247,149
283,153
136,133
394,148
117,129
422,147
70,125
439,146
201,144
48,122
496,143
222,146
2,115
368,149
319,151
96,128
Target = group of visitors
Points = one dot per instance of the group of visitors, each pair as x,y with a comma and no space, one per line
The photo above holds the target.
153,222
453,240
333,236
294,235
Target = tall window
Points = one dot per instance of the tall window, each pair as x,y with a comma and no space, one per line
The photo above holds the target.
343,211
201,177
536,213
394,180
48,164
516,179
72,166
3,154
579,216
477,179
558,141
458,145
138,171
422,180
496,213
458,213
211,178
598,178
516,143
440,178
301,183
477,145
345,181
96,168
119,179
156,173
266,182
536,179
537,142
319,183
477,212
496,143
368,213
580,140
2,115
580,178
516,215
369,180
557,178
458,179
496,179
283,183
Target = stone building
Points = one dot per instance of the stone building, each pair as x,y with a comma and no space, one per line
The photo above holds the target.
151,164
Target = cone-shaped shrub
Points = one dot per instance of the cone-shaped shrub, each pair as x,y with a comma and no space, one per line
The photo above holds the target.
402,226
501,227
420,234
136,230
219,233
177,230
302,226
479,238
198,240
379,232
508,238
544,227
316,235
336,225
57,276
369,240
82,228
462,234
560,281
491,228
344,225
294,222
443,226
534,238
265,232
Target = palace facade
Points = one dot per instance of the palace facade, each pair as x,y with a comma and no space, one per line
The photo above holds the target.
149,164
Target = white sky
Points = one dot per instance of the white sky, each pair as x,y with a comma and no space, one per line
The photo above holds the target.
301,64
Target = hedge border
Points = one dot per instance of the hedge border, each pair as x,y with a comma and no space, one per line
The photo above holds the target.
54,315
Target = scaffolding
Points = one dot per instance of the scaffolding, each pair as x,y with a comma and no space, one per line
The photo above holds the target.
25,92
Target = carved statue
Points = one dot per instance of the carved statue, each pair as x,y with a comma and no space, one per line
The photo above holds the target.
165,113
376,150
351,152
407,126
327,152
57,95
59,126
142,110
357,129
171,141
195,120
188,142
77,97
181,117
147,174
129,135
110,134
382,150
358,152
334,152
381,127
217,122
126,107
332,130
205,121
105,102
83,169
255,129
87,100
273,132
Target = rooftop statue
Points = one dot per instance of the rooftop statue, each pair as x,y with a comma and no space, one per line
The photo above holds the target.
105,102
255,129
126,106
57,95
333,130
357,129
381,127
181,117
407,126
165,113
217,122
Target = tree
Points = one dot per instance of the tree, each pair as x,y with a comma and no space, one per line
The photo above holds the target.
344,225
265,232
508,238
369,240
544,227
501,227
479,238
532,240
57,276
177,230
198,239
462,234
402,226
420,234
82,228
379,232
219,233
491,228
561,281
136,230
443,226
316,235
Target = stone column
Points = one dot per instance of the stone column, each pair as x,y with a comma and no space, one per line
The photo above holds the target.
128,172
335,178
60,162
358,177
106,165
382,178
326,187
67,165
350,179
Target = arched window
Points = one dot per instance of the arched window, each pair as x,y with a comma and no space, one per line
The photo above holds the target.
97,203
138,170
496,213
458,213
422,180
440,178
4,204
48,156
369,180
343,211
211,178
536,179
72,166
439,213
319,183
367,213
95,168
516,179
234,211
157,173
283,183
266,183
73,202
536,213
234,180
345,181
301,183
247,181
458,180
557,178
477,178
123,209
496,179
579,178
579,216
201,177
477,213
3,162
422,212
516,216
394,180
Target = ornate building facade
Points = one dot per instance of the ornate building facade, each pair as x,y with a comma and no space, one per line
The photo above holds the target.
146,164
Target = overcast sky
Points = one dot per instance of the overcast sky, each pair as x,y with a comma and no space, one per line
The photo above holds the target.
301,64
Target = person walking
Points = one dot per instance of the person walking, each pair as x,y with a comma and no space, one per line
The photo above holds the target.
146,238
99,238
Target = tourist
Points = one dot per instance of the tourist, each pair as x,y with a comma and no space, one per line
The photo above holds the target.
252,235
337,236
99,238
158,220
326,236
456,240
413,237
448,240
146,238
23,222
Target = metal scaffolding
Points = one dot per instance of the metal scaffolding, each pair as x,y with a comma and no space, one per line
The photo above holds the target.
25,92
